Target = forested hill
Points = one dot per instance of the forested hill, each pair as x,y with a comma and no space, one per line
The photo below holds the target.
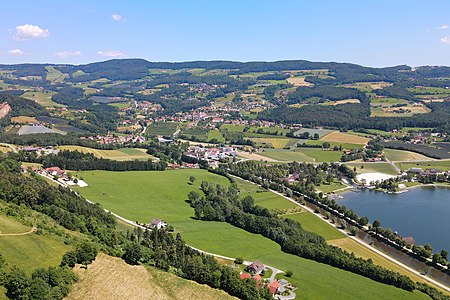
128,69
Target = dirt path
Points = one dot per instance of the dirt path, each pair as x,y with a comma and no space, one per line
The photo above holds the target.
34,229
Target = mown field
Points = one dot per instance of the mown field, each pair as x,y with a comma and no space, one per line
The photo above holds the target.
43,98
341,137
375,167
303,155
142,196
105,278
403,155
119,154
29,251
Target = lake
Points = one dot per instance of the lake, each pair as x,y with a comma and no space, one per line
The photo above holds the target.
423,213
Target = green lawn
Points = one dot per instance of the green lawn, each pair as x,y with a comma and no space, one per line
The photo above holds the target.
144,195
31,251
332,144
328,188
311,223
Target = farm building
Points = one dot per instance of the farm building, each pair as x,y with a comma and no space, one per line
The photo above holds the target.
157,223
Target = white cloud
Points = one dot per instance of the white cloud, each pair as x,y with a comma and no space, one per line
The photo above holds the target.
65,54
27,31
446,39
117,17
443,27
16,52
111,53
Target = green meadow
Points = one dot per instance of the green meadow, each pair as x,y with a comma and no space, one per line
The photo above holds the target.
142,196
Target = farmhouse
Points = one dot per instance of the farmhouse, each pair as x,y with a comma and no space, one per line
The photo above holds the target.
158,224
256,267
55,171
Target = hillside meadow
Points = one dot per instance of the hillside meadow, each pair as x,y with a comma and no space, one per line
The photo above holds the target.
142,196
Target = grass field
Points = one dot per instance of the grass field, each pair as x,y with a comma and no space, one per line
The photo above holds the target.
119,154
386,101
54,75
298,81
310,223
30,251
164,128
43,98
277,143
215,135
303,155
263,198
403,155
394,111
328,188
111,278
375,167
438,164
341,137
23,120
364,252
332,144
4,149
142,196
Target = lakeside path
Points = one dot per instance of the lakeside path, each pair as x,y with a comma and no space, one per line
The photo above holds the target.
402,265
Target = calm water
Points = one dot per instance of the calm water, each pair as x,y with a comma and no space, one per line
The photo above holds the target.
423,213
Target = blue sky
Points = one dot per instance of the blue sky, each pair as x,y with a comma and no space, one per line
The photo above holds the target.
371,33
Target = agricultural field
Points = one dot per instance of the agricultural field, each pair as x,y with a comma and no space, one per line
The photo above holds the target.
311,223
437,150
403,155
277,143
163,128
4,149
27,129
341,137
313,131
22,247
368,86
443,165
338,144
137,196
54,75
298,81
106,277
345,101
373,167
24,120
303,155
119,154
43,98
386,102
397,111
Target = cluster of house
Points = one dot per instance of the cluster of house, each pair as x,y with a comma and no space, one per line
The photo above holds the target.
114,139
40,150
56,173
211,155
426,172
276,287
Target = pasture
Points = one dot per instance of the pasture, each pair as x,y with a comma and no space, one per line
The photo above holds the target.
312,132
277,143
215,135
341,137
403,155
345,101
119,154
54,75
28,251
112,278
142,196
